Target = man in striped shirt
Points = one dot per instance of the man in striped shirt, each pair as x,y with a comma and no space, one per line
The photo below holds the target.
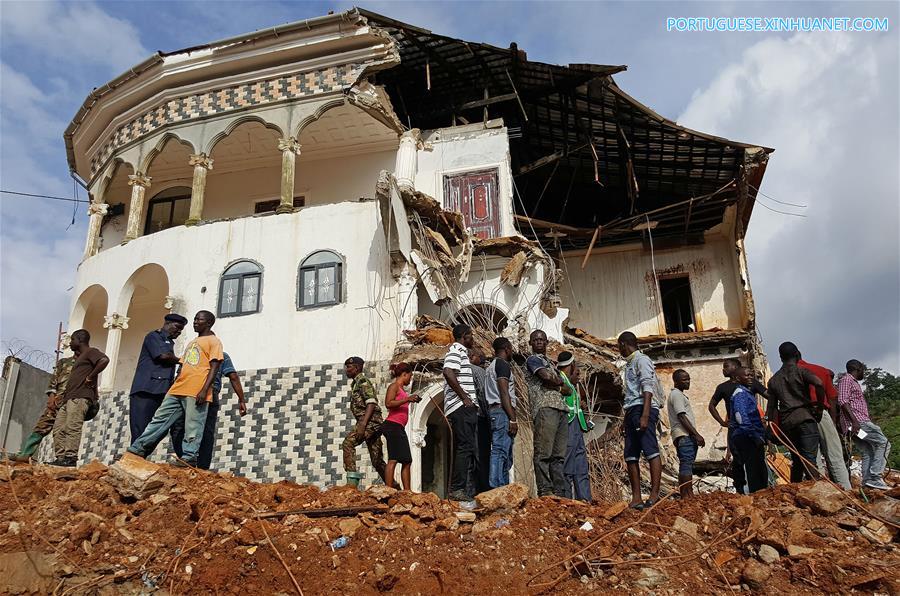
461,409
867,436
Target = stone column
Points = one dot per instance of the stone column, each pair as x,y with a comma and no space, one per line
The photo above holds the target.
406,166
290,149
116,323
139,185
97,211
202,164
406,295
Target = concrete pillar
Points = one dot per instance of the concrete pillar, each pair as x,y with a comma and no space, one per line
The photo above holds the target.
408,300
97,211
406,166
139,185
116,323
202,164
290,149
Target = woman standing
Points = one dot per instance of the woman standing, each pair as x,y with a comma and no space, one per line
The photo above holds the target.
397,402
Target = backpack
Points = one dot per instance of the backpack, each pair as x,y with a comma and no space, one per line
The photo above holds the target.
745,419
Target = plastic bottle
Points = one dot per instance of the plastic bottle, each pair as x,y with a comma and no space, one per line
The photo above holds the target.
339,542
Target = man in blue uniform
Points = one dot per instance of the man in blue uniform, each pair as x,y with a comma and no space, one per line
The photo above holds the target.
154,374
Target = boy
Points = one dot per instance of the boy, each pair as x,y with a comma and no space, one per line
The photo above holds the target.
685,437
747,432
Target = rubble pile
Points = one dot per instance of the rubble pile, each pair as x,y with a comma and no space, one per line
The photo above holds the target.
140,528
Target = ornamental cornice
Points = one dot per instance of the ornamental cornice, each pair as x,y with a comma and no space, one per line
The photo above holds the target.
289,144
202,160
115,321
227,100
139,180
100,209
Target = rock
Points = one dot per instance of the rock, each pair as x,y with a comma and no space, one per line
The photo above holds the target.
381,492
686,527
822,497
14,527
401,508
887,508
7,473
83,525
767,554
846,520
503,498
349,526
93,466
651,578
755,573
615,510
133,476
27,573
877,532
799,551
466,516
158,498
482,526
228,487
448,523
65,474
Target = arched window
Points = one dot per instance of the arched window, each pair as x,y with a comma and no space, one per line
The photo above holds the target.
320,280
239,290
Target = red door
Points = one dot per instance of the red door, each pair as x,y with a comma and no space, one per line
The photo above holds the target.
474,194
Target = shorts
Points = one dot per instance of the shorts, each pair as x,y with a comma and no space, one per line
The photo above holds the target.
637,442
687,454
397,443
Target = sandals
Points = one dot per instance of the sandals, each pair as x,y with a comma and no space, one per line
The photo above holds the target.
637,506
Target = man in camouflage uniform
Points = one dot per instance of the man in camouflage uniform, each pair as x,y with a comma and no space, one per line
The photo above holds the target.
44,425
364,407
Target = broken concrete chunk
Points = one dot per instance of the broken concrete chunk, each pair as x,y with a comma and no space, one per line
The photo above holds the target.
651,578
767,554
514,269
615,510
877,532
466,516
799,551
93,466
448,523
887,508
158,498
686,527
349,526
822,497
755,574
133,476
381,492
503,498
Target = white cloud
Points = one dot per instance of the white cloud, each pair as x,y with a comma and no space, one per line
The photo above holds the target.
828,104
72,32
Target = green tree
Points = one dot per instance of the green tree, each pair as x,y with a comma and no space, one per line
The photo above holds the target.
883,395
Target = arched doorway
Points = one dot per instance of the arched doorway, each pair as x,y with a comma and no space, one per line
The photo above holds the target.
429,435
484,316
88,313
143,301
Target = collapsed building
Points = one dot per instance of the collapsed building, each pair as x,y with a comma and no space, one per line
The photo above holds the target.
351,185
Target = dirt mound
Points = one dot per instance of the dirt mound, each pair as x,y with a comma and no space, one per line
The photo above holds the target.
200,532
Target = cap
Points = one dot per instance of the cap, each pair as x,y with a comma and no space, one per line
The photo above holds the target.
565,359
175,318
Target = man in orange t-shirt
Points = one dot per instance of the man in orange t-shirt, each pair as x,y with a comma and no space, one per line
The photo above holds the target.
199,365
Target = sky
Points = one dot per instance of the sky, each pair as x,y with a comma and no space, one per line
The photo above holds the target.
827,102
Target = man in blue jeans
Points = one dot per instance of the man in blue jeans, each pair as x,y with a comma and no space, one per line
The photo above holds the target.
500,396
189,396
208,442
685,437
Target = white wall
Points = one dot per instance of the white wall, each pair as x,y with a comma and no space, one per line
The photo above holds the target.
463,149
615,292
280,335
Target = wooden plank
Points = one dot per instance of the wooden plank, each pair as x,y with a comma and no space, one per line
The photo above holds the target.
587,255
325,511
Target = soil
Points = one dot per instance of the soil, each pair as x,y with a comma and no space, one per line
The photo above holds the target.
199,535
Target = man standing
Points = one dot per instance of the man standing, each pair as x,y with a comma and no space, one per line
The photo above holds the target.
500,395
798,414
199,367
549,411
79,397
723,392
747,433
685,437
829,439
44,425
365,409
575,466
208,442
642,403
867,436
154,374
483,456
461,409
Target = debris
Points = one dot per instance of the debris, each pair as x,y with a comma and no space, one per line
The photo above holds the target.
158,498
877,532
349,526
767,554
503,498
686,527
339,542
27,572
887,509
651,578
822,497
381,492
755,573
448,523
466,516
325,511
133,476
252,549
586,527
93,466
514,270
799,551
501,523
614,511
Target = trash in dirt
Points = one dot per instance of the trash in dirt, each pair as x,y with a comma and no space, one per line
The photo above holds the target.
468,505
252,550
587,526
188,569
502,523
339,542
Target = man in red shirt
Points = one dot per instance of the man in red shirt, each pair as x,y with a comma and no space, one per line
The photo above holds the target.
829,440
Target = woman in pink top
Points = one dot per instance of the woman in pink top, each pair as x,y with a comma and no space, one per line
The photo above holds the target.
397,402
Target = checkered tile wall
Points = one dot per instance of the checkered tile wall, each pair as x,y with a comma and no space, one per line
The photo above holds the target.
296,420
223,101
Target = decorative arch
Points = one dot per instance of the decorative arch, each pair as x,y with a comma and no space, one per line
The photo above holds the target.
482,313
142,301
432,442
101,183
320,111
160,145
235,124
89,313
151,276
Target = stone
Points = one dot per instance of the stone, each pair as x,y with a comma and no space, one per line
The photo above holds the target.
755,574
93,466
686,527
401,508
466,516
615,510
381,492
799,551
7,473
158,498
767,554
135,477
349,526
14,527
448,523
887,508
651,578
83,525
877,532
27,573
503,498
482,526
822,497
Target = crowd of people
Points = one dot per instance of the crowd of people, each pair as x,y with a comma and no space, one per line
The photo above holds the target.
805,413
